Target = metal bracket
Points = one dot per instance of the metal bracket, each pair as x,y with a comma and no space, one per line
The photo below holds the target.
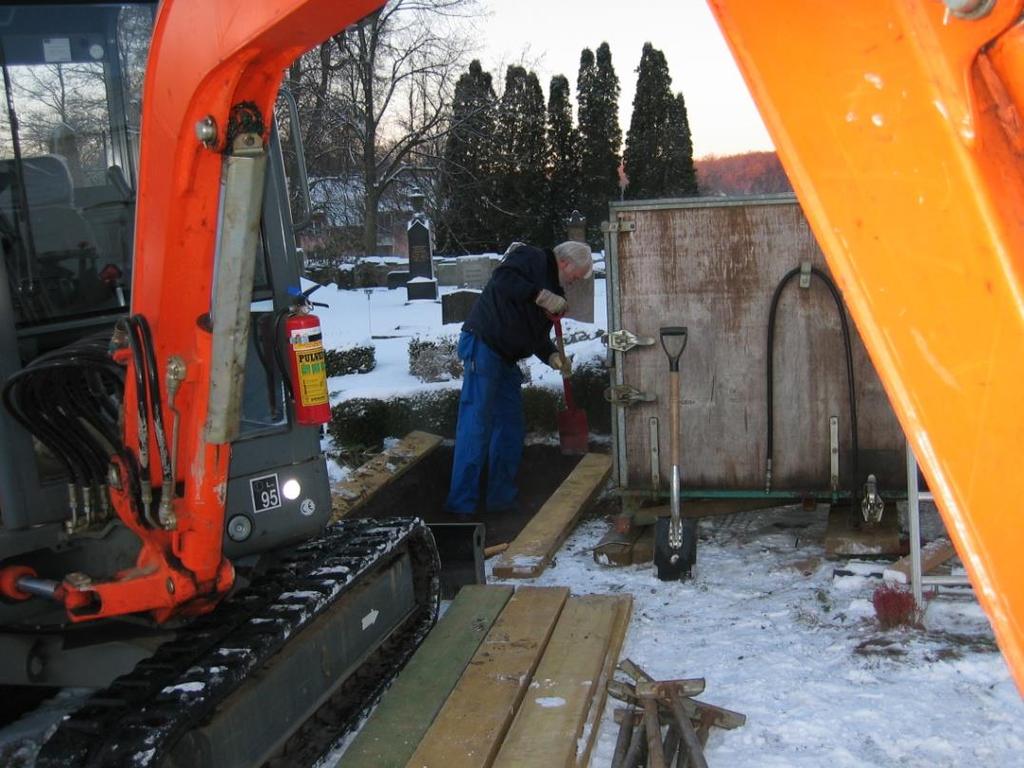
833,441
623,340
805,274
618,226
623,396
655,454
872,505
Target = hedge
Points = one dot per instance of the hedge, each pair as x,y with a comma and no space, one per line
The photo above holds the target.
366,422
355,359
434,359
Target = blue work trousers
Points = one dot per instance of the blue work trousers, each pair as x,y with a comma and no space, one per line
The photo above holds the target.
490,429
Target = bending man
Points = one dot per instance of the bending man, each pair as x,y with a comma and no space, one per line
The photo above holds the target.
509,322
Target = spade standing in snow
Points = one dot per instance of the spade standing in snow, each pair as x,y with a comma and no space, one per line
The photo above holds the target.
509,322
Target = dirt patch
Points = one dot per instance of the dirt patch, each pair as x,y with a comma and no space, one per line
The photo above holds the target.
423,490
927,646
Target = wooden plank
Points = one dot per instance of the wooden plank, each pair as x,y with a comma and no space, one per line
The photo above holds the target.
643,549
380,471
471,725
844,539
616,547
397,725
531,551
592,725
551,717
933,554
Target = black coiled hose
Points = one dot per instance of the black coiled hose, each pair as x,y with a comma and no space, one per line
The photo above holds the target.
852,396
69,400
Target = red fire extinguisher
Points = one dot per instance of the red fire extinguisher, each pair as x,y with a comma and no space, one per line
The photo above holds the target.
308,368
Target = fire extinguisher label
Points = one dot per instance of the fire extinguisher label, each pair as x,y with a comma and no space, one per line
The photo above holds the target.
312,373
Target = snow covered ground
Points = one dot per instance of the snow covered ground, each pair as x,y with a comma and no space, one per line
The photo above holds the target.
383,318
803,657
800,655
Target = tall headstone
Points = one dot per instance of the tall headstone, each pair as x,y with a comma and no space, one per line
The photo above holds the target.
421,284
576,227
580,295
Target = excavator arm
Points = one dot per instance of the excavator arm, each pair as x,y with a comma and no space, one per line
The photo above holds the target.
899,125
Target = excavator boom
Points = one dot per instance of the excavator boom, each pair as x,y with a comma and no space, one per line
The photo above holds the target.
899,125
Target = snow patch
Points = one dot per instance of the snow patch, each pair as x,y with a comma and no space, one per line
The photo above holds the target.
191,687
549,702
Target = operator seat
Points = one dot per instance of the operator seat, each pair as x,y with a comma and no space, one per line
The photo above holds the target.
65,245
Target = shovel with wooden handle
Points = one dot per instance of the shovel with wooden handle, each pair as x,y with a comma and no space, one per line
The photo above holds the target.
675,540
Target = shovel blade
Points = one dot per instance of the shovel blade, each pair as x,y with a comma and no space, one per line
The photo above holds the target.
573,432
675,564
460,547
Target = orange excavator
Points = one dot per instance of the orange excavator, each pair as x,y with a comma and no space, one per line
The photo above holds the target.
164,498
899,123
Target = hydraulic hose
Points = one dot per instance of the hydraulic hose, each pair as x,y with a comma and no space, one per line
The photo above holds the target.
142,414
851,391
69,400
157,408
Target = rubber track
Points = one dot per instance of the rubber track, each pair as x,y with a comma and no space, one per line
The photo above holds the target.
137,720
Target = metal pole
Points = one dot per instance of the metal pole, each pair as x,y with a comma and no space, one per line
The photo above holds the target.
946,581
914,521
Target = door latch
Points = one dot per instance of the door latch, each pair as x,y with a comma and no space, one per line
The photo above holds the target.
623,396
623,340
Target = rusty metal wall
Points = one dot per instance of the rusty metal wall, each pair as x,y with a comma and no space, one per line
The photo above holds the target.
712,265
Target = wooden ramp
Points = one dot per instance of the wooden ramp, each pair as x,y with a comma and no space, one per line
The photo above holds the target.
470,727
532,550
380,471
569,687
395,728
531,692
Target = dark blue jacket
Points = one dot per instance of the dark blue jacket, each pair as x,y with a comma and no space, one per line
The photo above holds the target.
505,317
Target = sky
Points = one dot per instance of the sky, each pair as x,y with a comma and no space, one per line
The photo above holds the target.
548,35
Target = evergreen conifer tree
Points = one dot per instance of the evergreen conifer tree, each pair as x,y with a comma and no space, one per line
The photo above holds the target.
563,167
467,175
658,160
597,96
680,173
520,185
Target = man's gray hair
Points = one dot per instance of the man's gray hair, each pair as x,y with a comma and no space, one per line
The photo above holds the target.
576,253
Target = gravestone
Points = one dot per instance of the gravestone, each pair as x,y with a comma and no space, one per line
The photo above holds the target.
456,306
475,271
580,295
397,279
421,284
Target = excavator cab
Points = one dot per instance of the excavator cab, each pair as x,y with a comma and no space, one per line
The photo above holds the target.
164,501
69,155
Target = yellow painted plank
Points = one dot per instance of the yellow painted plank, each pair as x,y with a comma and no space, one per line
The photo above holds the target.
592,726
380,471
470,727
531,551
552,716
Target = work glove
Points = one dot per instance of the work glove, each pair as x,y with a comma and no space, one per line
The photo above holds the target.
551,303
559,363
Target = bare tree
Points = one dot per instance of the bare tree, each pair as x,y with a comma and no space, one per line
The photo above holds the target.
62,108
375,98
